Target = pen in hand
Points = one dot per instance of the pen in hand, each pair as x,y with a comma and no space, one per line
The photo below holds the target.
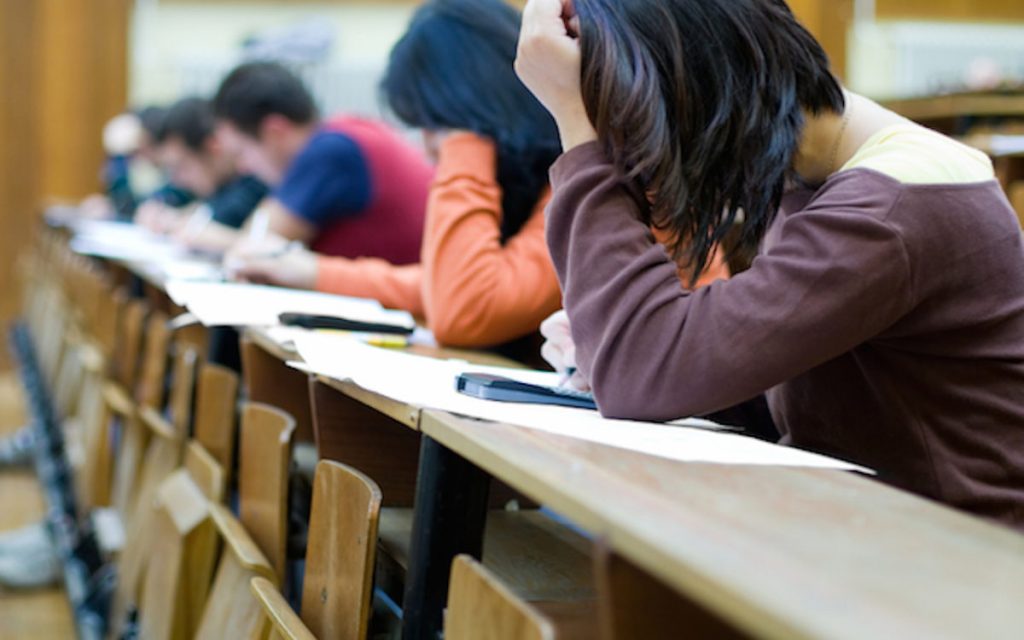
567,376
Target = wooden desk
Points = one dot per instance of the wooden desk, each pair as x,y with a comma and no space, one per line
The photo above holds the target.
779,553
270,380
942,112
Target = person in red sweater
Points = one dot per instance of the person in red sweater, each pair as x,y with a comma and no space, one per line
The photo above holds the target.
485,276
345,186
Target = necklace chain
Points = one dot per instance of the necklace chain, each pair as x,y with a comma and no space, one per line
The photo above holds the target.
839,138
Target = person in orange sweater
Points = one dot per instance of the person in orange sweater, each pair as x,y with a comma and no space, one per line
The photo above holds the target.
485,276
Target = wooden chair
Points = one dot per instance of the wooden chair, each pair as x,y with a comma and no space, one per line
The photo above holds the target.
167,437
216,411
338,587
93,483
278,621
148,394
341,553
481,607
231,610
266,453
177,577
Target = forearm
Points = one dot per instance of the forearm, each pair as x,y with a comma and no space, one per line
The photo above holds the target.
654,351
396,287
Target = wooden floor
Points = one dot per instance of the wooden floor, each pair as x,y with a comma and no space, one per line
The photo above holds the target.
42,615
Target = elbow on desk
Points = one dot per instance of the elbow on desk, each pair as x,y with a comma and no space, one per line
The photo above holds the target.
624,395
456,326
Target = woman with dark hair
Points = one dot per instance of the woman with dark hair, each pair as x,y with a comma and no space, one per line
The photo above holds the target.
884,313
485,278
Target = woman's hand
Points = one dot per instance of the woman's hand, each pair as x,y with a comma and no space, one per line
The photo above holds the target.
548,63
560,350
292,266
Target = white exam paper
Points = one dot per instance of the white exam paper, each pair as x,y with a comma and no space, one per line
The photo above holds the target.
244,305
430,383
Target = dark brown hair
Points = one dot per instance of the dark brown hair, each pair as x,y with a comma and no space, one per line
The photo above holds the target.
454,69
700,103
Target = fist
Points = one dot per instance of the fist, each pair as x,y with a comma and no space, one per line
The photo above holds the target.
560,351
549,63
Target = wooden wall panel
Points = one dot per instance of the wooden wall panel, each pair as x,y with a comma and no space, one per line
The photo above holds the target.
18,149
63,73
966,10
830,22
82,66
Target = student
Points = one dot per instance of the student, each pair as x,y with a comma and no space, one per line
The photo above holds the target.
884,315
132,175
196,160
485,276
347,187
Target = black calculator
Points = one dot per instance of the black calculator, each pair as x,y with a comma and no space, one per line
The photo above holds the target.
500,389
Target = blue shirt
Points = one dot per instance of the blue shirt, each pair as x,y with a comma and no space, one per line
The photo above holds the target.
328,181
236,200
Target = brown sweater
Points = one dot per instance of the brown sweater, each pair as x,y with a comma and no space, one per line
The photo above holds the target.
885,321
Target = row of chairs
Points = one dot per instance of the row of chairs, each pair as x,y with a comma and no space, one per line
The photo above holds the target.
148,435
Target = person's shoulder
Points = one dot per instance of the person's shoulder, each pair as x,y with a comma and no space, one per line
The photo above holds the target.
914,155
860,190
328,144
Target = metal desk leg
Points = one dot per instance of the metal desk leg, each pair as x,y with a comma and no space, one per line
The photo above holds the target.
449,518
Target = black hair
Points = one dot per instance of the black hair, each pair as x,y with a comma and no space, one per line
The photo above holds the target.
152,119
256,90
189,120
700,104
454,69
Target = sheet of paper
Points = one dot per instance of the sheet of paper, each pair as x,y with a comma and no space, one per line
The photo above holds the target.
132,249
195,269
430,383
143,249
243,305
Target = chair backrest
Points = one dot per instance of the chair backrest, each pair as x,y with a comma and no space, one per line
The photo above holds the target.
114,312
163,456
341,553
106,322
266,450
480,607
148,395
216,408
67,385
150,389
183,388
277,619
231,610
177,577
128,344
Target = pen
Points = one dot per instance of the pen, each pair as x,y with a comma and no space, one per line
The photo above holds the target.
566,376
260,225
198,221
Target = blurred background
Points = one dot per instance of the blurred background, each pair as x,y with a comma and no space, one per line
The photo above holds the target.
67,66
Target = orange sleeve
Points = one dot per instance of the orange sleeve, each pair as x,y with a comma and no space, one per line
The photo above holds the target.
395,287
477,292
